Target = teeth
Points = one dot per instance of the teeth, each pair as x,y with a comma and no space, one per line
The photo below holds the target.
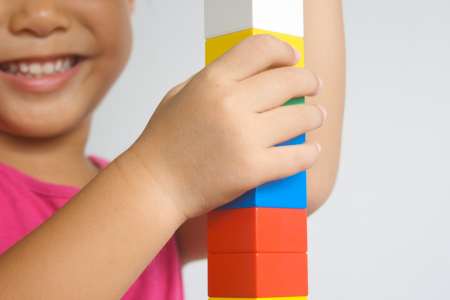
58,65
35,69
38,69
48,69
66,65
23,67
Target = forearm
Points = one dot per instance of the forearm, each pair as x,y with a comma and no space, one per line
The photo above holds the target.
97,245
325,55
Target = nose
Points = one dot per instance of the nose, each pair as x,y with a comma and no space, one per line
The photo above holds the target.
38,18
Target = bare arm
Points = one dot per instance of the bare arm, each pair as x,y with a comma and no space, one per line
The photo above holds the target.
96,245
324,55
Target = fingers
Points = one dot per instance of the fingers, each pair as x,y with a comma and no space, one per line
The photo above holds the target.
273,88
281,162
287,122
253,55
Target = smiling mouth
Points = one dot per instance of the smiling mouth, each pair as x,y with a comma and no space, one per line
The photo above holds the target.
39,68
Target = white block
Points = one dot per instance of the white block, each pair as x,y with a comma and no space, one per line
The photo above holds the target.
228,16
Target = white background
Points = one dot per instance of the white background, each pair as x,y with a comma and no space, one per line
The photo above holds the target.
384,232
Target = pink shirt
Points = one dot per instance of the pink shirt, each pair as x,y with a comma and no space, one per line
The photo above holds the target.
25,203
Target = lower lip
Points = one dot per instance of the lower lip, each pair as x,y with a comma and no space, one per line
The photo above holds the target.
43,84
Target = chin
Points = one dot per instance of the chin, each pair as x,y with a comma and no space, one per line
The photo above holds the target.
41,126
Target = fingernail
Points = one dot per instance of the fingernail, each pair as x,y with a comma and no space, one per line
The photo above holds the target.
318,146
325,114
320,87
297,55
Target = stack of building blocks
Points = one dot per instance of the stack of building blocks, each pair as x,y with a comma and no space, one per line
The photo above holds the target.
257,244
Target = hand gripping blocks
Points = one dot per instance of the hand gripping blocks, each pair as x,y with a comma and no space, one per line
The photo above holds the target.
257,243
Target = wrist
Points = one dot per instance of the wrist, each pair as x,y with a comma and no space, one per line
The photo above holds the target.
143,183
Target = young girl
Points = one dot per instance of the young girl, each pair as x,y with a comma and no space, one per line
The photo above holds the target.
72,228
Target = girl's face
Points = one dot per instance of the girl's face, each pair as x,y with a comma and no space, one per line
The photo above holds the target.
58,58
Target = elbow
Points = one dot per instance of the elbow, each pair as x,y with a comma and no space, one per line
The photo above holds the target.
319,191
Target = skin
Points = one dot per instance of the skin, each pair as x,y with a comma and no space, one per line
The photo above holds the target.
56,125
150,192
325,55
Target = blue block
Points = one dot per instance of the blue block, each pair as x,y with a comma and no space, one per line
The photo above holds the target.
289,192
295,141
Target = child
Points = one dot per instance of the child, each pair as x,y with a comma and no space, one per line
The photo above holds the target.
208,142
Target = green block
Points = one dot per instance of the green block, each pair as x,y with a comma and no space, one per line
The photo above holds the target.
295,101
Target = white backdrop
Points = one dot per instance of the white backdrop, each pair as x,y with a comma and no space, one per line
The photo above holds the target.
384,232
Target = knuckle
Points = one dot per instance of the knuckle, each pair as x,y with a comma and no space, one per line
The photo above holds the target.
307,157
292,78
296,79
170,93
266,43
308,116
310,80
207,75
204,75
302,159
174,90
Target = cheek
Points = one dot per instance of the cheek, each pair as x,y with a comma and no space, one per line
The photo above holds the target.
110,27
109,23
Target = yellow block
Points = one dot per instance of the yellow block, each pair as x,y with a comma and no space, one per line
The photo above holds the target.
217,46
284,298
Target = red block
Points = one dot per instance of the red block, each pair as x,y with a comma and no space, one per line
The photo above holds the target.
255,275
257,229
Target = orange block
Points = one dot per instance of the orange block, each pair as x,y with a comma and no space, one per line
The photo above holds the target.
255,275
257,229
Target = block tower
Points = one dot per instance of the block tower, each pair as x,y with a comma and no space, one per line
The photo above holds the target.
257,244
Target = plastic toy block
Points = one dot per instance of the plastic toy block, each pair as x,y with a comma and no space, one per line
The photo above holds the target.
228,16
289,192
294,101
257,275
215,47
285,298
295,141
257,230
